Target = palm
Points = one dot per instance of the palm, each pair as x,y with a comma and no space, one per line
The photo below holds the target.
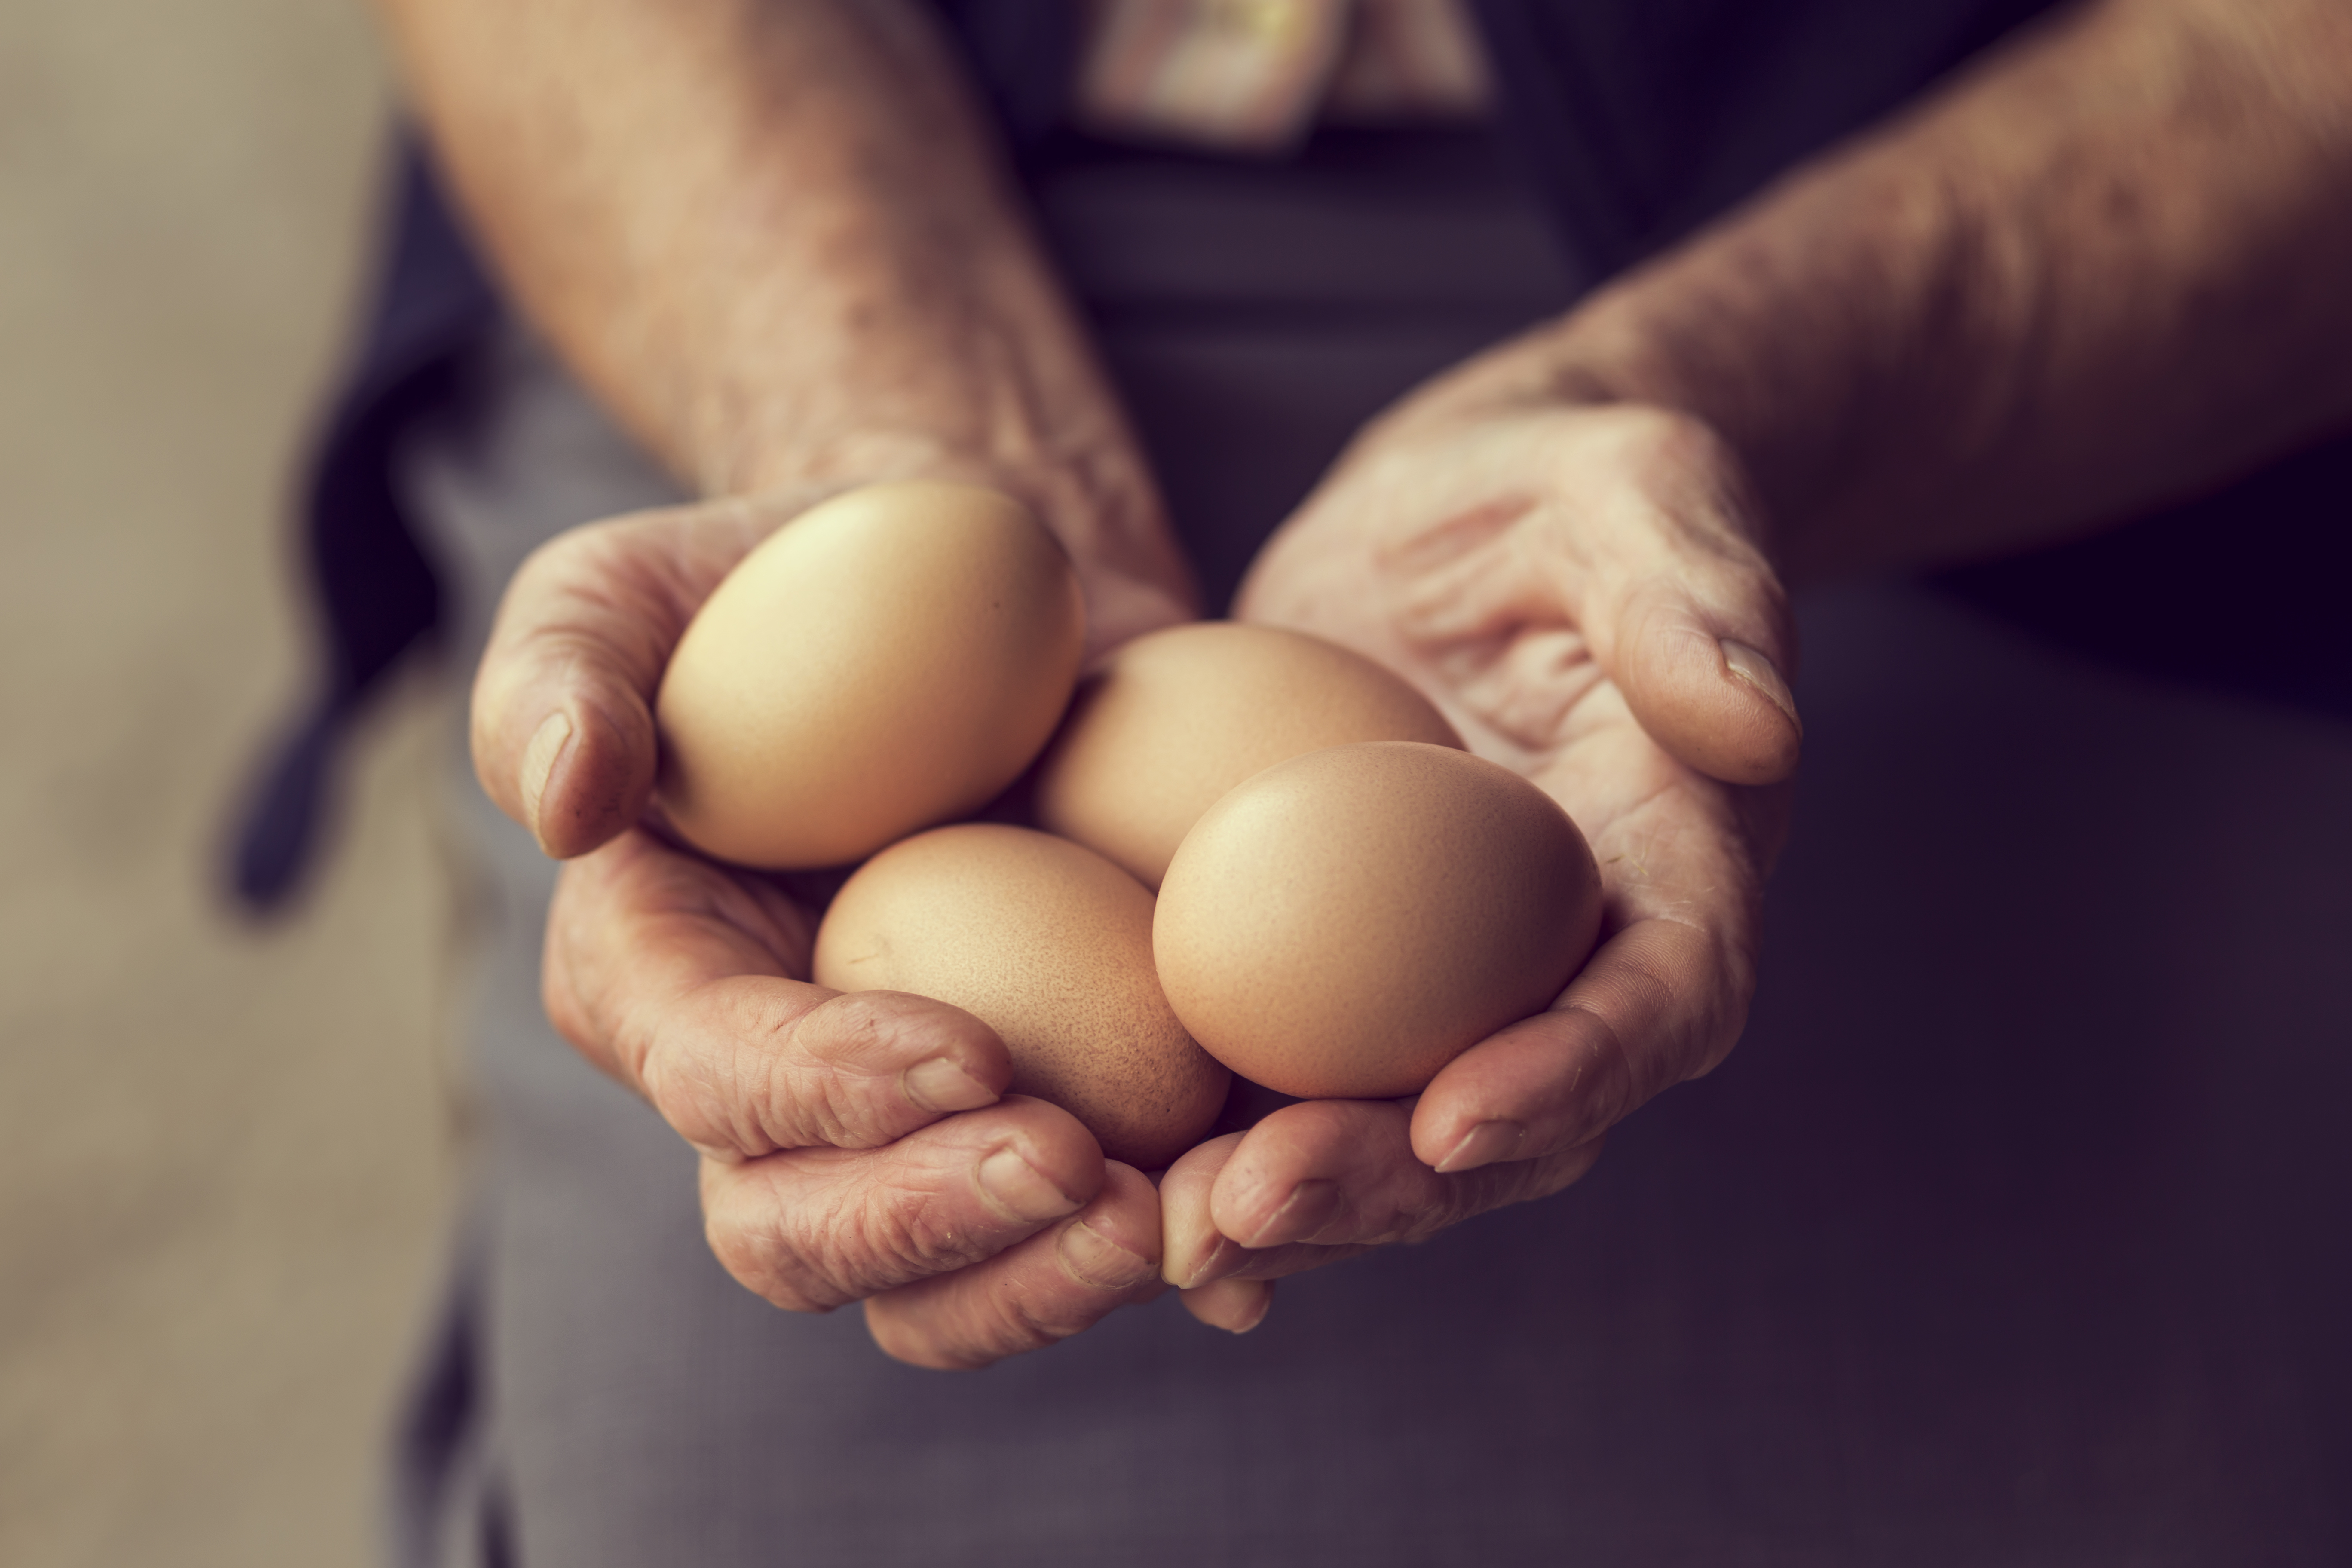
1565,584
1477,590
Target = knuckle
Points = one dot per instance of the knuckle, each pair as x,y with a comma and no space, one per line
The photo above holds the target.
913,1235
853,1029
839,1236
1697,1036
551,559
938,1336
559,995
1604,1086
778,1096
856,1237
724,1079
702,1108
1015,1321
901,1339
1024,1326
763,1260
1667,449
1540,1178
961,1329
975,1322
569,987
818,1086
1447,1204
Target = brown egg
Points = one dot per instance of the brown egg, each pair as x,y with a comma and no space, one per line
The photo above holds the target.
891,658
1171,722
1345,923
1050,945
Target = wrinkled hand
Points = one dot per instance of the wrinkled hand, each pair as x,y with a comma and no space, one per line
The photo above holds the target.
854,1147
1583,591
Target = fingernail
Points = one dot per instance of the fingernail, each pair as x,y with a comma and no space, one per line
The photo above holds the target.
1237,1306
1264,1305
1307,1209
547,743
1094,1258
1222,1258
1020,1189
1752,667
1483,1145
940,1084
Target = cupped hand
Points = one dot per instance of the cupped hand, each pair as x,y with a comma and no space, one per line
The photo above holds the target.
1583,589
855,1146
562,724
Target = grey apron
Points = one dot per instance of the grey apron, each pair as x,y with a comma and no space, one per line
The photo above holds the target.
2012,1233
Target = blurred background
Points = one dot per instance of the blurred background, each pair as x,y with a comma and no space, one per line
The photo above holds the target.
224,1150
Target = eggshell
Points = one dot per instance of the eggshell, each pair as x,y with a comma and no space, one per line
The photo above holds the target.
1166,724
888,659
1050,945
1345,923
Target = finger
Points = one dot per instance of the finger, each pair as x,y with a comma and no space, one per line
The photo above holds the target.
810,1229
1236,1306
677,978
1196,1251
1222,1283
1685,612
1052,1286
1712,697
563,721
1343,1173
1662,1001
1200,1258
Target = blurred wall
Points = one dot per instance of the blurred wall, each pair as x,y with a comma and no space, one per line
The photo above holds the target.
222,1150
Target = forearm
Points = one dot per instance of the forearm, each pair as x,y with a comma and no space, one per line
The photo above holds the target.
2108,266
773,239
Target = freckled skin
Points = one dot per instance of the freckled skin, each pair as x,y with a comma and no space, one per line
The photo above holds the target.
1050,945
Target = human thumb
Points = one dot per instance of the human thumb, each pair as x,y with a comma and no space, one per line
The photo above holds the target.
1707,686
563,710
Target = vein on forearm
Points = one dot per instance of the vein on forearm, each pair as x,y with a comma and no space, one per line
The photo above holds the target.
773,238
2103,268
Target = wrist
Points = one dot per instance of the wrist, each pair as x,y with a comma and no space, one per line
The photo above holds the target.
1098,502
1600,363
1661,342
